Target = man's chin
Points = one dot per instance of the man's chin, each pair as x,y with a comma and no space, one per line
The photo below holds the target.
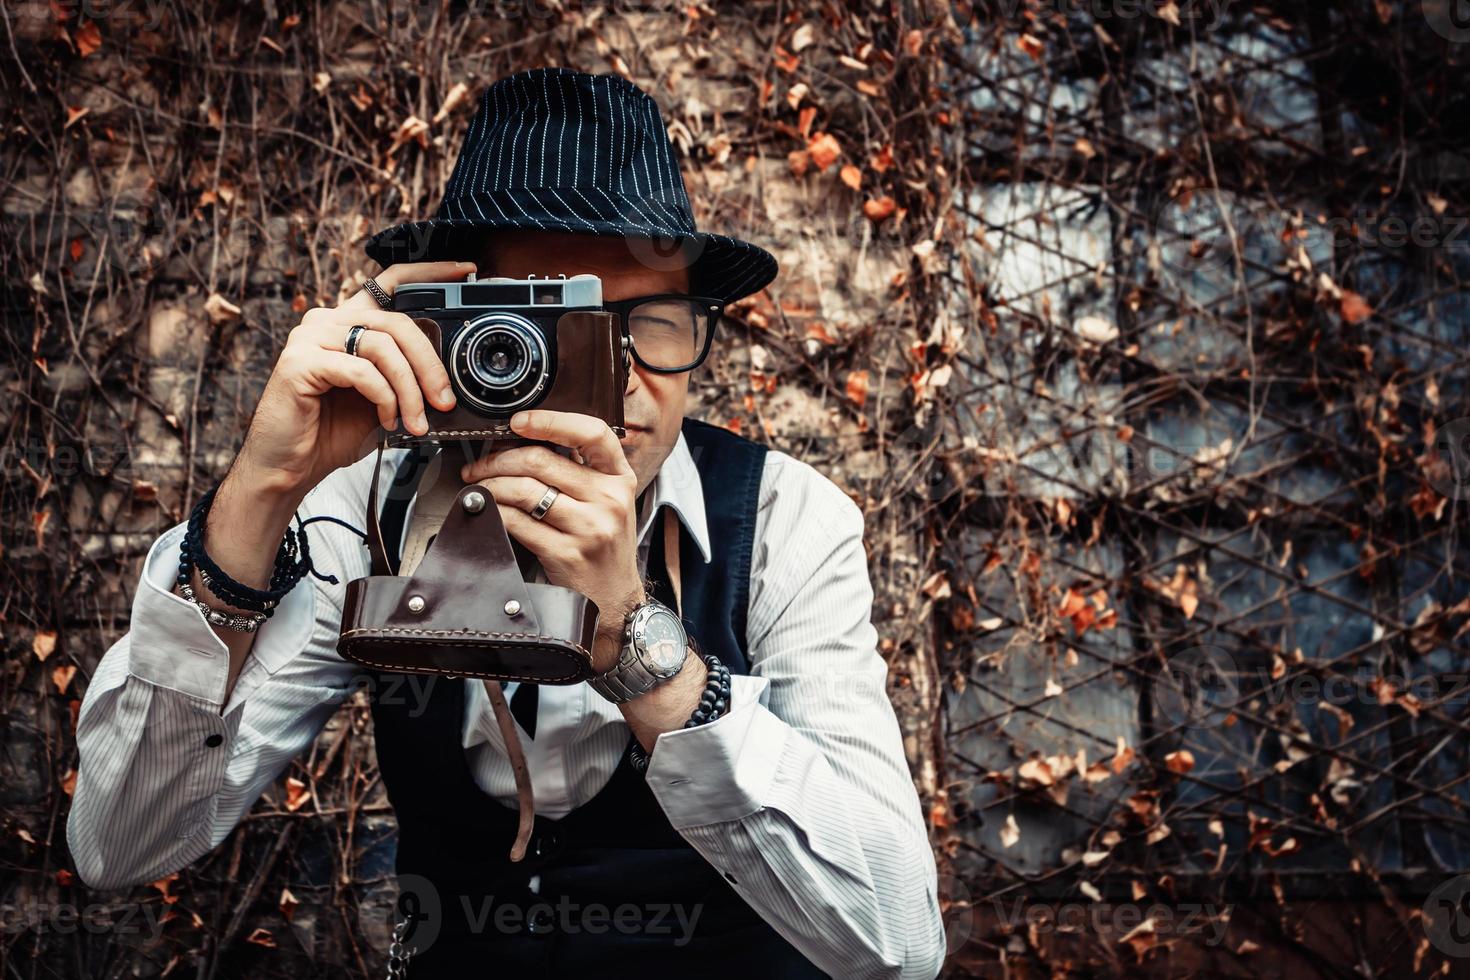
644,453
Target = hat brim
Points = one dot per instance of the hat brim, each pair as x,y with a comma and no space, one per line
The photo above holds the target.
720,267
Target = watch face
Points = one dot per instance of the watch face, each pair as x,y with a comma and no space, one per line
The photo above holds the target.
663,643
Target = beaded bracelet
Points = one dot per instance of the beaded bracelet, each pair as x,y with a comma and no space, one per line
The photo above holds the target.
288,570
713,703
247,623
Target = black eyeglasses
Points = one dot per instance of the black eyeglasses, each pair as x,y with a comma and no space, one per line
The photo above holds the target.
671,332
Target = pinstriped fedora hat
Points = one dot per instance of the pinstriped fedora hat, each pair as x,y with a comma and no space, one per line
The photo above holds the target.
557,150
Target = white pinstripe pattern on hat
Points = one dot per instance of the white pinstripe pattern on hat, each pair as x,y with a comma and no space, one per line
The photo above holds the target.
619,210
562,201
545,125
500,93
656,125
562,138
637,151
617,148
640,192
596,134
513,143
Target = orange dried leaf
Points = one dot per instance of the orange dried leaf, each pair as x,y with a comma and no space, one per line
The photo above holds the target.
1072,603
165,886
43,644
817,330
89,39
857,387
262,937
61,676
1355,309
936,586
1032,45
877,209
804,120
296,794
1122,756
852,177
824,150
287,904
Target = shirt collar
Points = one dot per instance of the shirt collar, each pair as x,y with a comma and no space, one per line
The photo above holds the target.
678,486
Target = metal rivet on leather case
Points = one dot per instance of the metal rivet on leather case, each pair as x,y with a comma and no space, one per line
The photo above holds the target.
416,603
474,502
512,607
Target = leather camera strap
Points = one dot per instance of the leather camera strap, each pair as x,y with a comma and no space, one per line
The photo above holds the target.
431,506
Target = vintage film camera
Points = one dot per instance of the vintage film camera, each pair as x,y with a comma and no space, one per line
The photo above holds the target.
459,601
513,344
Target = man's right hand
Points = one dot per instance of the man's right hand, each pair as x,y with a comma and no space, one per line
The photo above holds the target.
321,405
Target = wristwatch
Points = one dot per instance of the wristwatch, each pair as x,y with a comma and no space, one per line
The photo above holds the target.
654,648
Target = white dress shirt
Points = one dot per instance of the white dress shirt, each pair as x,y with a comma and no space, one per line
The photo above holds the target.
800,794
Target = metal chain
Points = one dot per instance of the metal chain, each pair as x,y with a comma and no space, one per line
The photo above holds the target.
398,957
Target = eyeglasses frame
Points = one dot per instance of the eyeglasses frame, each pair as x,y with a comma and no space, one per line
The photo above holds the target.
713,310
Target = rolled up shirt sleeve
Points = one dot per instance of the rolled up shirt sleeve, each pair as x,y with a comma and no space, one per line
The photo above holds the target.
800,795
167,767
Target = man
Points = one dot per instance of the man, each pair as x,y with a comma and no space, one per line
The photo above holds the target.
784,837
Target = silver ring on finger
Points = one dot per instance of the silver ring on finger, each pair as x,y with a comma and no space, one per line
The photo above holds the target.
354,337
378,293
547,499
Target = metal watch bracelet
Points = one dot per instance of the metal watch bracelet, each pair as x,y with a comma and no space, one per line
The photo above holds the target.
630,677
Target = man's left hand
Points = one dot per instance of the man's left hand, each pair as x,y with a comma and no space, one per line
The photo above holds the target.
588,539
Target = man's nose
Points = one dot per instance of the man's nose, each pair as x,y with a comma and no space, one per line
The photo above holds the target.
635,378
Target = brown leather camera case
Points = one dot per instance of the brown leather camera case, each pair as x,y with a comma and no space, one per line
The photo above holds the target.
476,616
591,378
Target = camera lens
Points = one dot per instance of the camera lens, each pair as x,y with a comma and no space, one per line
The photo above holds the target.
500,359
500,363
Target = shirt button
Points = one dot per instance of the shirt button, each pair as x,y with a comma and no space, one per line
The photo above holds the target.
540,923
547,843
214,740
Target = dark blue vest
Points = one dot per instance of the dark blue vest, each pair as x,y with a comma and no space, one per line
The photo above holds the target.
475,912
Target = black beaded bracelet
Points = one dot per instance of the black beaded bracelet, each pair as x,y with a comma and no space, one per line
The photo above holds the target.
293,562
715,701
